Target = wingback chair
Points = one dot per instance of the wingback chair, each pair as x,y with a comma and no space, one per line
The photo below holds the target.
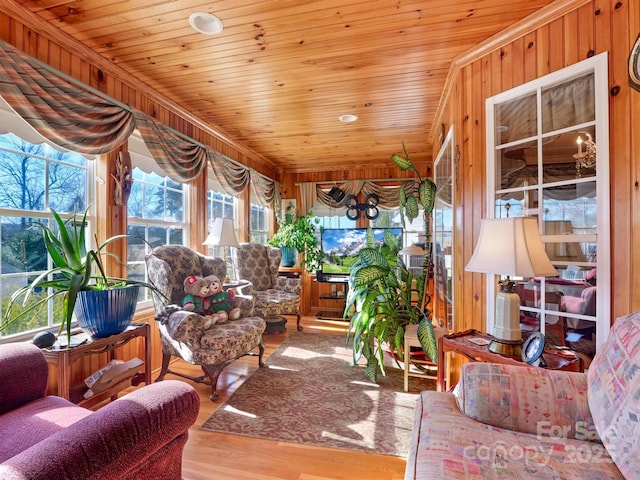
183,333
275,295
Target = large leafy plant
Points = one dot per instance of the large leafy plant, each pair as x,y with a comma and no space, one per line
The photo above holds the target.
384,296
299,234
75,268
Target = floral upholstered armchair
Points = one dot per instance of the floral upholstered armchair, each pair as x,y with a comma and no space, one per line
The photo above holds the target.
184,333
275,295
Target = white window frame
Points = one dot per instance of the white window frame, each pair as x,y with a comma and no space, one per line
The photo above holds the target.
597,64
44,215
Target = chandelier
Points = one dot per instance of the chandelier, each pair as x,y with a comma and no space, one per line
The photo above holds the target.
586,156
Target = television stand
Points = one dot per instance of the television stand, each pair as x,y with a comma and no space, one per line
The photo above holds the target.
338,293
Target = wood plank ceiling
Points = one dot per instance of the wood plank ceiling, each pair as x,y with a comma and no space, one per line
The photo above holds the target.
282,71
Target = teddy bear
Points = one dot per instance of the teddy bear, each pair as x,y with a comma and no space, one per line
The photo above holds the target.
196,290
196,300
220,300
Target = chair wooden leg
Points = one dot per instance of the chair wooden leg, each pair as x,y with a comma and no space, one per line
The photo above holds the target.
213,372
261,354
298,326
166,358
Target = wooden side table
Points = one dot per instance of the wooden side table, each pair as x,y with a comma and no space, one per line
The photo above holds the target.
463,343
63,358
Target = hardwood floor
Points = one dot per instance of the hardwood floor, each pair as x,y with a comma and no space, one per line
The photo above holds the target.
211,455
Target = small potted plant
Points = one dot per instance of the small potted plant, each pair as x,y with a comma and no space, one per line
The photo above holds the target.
298,235
104,305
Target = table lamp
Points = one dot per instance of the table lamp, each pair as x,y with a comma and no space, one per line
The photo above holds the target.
223,234
511,247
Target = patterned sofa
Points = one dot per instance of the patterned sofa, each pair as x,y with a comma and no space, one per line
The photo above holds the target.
520,423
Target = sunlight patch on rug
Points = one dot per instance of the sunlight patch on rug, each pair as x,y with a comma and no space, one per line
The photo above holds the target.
308,393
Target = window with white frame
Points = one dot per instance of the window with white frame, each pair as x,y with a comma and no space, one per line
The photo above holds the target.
259,224
33,179
157,216
542,162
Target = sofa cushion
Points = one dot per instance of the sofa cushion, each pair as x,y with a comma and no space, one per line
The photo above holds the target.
448,445
614,394
30,424
526,399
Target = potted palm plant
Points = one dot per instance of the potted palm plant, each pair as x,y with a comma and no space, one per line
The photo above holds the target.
384,296
104,305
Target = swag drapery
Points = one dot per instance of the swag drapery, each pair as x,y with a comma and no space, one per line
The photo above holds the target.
75,118
315,196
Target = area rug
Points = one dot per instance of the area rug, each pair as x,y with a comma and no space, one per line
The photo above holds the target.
308,393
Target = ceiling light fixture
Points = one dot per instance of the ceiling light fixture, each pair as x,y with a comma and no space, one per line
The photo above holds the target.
206,23
348,118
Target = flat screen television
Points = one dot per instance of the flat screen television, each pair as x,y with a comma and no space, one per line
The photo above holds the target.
340,247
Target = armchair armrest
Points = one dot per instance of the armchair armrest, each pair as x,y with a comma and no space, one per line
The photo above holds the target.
289,285
246,303
526,399
184,326
23,375
119,440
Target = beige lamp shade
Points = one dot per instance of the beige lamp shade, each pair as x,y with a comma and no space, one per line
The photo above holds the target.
223,233
511,246
413,250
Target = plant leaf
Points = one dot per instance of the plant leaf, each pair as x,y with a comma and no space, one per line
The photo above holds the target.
373,257
427,194
368,275
427,338
401,162
411,208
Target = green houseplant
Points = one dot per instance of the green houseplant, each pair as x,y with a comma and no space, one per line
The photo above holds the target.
75,270
300,235
384,296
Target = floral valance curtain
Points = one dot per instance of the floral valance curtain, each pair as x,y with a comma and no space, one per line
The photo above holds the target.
69,116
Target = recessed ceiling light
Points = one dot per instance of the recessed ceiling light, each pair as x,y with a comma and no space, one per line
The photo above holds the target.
206,23
348,118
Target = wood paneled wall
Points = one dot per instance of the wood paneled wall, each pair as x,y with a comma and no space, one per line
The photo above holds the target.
591,28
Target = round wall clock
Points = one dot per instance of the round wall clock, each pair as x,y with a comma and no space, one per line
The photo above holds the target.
634,65
533,348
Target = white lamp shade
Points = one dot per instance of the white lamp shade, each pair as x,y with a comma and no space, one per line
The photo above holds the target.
223,233
413,250
511,246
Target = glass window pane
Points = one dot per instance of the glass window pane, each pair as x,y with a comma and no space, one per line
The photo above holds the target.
157,236
154,203
516,119
22,181
134,206
23,248
569,155
517,166
569,103
176,236
516,204
574,204
175,208
136,244
67,188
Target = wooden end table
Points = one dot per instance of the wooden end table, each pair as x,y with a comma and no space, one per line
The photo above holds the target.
463,343
63,358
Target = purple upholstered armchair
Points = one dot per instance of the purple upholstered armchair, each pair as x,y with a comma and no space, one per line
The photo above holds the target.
140,435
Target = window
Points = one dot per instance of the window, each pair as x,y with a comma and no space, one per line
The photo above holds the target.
157,214
259,223
34,178
220,205
541,147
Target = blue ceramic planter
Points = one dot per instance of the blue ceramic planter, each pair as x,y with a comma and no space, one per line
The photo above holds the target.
289,256
102,313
